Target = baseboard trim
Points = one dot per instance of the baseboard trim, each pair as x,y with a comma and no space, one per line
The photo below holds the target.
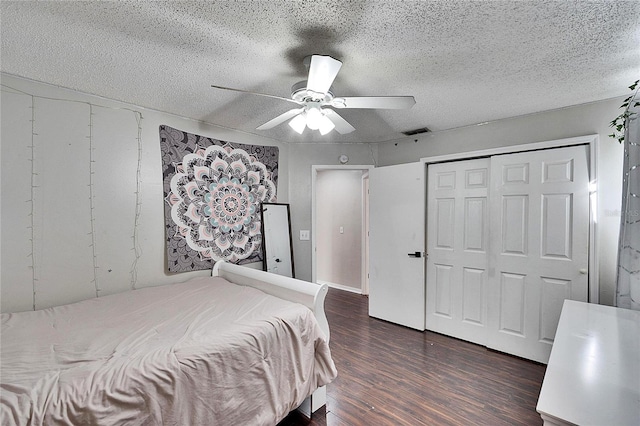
341,287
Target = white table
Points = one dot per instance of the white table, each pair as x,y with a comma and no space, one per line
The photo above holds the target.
593,375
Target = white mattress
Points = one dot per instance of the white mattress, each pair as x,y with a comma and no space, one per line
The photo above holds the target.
204,352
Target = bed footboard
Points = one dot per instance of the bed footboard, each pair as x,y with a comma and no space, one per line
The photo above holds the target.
309,294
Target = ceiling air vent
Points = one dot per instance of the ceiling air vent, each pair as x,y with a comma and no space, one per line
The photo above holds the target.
416,131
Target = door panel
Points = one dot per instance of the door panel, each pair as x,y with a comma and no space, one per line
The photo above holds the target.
396,280
556,233
443,290
472,295
512,299
540,225
457,242
445,208
554,293
515,226
475,213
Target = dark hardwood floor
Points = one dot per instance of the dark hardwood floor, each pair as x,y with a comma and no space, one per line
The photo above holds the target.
392,375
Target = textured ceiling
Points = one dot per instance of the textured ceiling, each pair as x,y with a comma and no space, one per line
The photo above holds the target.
466,62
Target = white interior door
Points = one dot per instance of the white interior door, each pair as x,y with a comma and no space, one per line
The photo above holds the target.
539,246
396,279
457,248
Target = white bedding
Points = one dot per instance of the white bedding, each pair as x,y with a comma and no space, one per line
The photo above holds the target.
204,352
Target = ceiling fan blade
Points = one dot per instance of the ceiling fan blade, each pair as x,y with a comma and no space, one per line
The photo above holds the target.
256,93
377,102
322,71
280,119
342,126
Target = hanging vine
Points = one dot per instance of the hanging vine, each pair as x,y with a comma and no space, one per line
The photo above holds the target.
620,121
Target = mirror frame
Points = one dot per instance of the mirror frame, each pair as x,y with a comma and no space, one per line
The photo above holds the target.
264,241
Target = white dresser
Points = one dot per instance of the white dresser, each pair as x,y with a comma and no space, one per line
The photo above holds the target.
593,375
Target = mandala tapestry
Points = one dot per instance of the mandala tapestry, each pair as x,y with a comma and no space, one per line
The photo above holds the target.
213,191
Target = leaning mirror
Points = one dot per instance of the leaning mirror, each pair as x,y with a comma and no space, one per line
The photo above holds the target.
277,249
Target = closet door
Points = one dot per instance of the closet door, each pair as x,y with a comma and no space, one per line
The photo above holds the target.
457,248
539,246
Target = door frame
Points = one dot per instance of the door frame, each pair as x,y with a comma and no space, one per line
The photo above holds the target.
365,232
593,142
314,173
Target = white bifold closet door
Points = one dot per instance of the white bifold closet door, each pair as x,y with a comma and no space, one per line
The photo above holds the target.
507,243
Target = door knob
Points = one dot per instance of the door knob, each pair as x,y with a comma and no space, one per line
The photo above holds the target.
415,254
278,260
584,271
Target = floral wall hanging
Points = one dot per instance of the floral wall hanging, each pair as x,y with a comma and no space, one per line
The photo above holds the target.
213,191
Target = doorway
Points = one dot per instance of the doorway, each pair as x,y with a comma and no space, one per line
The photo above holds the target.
339,227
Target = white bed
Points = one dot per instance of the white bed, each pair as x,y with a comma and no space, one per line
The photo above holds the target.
206,351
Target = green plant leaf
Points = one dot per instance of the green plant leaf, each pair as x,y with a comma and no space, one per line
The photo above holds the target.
619,122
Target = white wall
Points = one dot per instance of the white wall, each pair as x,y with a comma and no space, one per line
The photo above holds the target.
339,206
65,226
75,240
301,158
580,120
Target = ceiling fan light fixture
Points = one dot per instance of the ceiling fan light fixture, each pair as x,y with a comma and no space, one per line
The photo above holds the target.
326,125
314,94
314,118
298,123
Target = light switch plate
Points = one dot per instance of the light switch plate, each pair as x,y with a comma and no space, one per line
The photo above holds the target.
305,234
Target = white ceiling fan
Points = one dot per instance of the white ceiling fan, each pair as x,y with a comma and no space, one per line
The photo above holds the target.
315,100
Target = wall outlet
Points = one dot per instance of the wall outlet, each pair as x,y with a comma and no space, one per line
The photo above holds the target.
305,235
342,229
